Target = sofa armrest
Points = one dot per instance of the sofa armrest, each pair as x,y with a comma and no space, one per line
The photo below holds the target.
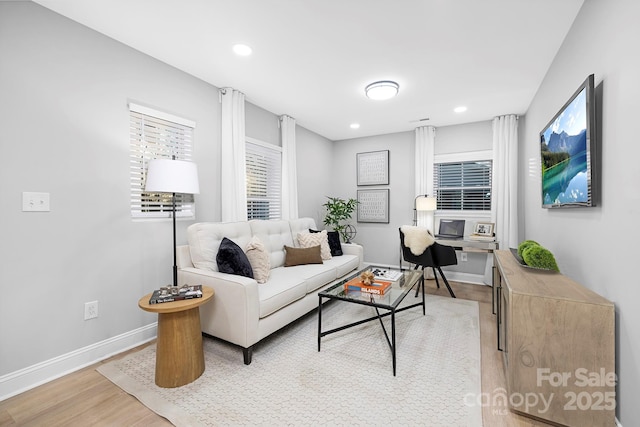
354,249
183,256
234,310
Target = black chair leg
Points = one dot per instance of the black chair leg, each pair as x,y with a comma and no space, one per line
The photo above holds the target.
446,283
418,289
436,276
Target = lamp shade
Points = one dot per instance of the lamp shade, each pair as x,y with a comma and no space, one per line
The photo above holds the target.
172,176
425,203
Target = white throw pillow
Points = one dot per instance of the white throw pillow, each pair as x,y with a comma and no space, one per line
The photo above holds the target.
259,259
307,240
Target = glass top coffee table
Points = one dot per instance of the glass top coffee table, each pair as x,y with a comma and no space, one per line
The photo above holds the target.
388,302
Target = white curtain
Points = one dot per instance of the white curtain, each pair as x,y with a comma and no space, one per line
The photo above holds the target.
233,167
289,174
504,211
424,149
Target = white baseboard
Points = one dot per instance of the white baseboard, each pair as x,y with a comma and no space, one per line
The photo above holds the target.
25,379
458,276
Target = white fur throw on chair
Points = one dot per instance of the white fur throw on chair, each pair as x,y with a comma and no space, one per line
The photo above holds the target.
417,239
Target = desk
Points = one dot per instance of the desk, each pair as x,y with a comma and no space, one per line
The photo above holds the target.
179,353
468,245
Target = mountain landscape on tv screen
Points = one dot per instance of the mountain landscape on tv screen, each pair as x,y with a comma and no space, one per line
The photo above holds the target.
572,144
564,168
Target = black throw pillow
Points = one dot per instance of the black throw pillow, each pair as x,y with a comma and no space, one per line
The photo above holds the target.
232,259
334,242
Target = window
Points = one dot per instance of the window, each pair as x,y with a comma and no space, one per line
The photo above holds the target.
157,135
463,186
264,180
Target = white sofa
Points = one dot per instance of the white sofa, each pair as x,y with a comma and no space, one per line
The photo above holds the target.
243,311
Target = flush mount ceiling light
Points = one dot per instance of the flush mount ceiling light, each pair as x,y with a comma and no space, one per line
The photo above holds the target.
242,49
460,109
354,125
384,89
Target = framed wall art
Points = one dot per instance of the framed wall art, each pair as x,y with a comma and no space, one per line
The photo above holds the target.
373,168
373,206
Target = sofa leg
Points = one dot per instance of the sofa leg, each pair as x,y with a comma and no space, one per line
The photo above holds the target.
247,353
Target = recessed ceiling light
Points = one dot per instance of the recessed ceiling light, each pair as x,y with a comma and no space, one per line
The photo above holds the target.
354,125
384,89
460,109
242,49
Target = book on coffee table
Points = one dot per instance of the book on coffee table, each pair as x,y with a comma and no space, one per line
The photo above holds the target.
378,287
382,274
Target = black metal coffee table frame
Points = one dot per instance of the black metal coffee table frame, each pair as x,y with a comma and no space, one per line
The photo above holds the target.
404,285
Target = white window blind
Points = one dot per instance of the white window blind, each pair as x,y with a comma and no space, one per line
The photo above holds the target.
157,135
463,186
264,181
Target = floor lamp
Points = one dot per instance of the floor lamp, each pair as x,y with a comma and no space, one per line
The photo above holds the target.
423,203
172,176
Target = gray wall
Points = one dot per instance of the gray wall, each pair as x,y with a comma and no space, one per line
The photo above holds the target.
314,158
596,246
476,136
261,124
381,241
315,167
65,130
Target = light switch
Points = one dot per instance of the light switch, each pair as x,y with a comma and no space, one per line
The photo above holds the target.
35,202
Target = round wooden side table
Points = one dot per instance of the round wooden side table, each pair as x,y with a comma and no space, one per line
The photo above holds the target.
179,353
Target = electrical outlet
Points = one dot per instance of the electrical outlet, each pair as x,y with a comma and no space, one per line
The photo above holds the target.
90,310
463,256
35,202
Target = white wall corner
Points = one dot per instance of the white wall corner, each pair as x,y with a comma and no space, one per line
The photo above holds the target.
27,378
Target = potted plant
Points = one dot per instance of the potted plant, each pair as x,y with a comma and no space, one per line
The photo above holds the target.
339,210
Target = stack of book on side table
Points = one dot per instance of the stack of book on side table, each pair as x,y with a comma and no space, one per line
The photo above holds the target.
174,293
378,287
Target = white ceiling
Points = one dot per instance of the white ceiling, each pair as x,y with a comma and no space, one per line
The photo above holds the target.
312,58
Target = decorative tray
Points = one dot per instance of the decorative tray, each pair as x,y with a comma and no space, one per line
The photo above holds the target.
514,252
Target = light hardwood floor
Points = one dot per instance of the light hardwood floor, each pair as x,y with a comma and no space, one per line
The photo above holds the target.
86,398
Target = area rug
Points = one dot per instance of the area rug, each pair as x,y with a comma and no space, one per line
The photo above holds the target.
349,382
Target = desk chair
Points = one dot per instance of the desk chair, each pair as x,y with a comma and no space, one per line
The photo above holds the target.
435,256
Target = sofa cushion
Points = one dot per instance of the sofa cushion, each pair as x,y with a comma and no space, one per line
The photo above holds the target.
343,264
307,240
334,241
259,259
285,286
204,240
274,235
317,275
232,259
301,256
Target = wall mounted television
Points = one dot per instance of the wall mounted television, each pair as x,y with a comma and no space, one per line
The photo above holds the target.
568,152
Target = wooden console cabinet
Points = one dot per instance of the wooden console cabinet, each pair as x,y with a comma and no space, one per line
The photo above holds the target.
558,345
